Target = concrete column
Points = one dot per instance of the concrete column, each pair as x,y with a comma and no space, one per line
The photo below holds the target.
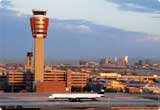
39,59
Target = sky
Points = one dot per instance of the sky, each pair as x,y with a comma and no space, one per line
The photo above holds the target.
134,15
82,29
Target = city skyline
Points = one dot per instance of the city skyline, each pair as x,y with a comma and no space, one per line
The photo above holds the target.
82,38
79,54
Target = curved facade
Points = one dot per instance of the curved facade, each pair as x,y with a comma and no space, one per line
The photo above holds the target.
39,26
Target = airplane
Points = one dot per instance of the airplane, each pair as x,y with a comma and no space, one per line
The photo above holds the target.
74,97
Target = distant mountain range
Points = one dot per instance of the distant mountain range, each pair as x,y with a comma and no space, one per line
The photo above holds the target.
73,39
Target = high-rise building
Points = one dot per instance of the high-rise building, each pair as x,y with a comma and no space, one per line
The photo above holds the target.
39,26
116,61
106,61
125,60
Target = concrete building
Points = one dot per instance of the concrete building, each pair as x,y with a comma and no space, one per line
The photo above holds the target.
88,63
16,80
78,80
62,81
115,85
111,76
119,77
116,61
53,81
3,82
2,68
29,62
125,60
106,61
39,26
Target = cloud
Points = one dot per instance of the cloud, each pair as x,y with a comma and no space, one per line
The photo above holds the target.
149,6
149,38
73,26
78,28
72,39
5,4
84,28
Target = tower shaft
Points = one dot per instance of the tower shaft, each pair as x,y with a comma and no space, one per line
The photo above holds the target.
39,59
39,26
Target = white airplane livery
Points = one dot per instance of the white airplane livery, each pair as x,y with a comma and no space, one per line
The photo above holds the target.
76,96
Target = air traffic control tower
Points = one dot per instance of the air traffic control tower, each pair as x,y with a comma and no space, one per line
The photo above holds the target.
39,26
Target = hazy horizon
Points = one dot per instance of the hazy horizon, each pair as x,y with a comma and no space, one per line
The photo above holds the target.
83,29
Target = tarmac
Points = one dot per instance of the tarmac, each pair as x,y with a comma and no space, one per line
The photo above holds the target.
111,101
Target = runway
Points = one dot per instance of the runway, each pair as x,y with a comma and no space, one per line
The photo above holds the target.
34,100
